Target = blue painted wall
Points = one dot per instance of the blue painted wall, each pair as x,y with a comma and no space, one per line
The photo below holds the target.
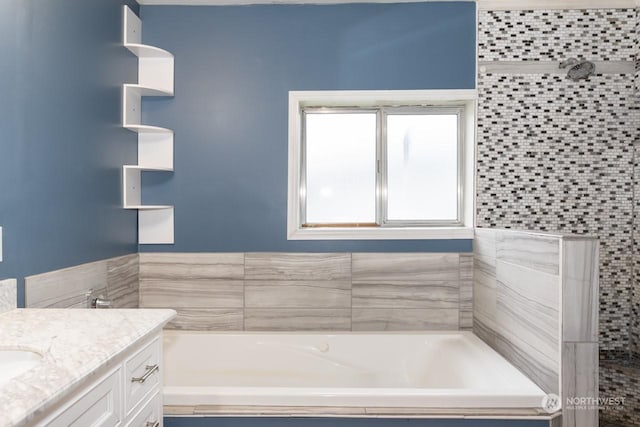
62,66
343,422
234,68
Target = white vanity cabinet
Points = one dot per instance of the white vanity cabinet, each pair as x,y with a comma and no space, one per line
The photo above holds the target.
128,394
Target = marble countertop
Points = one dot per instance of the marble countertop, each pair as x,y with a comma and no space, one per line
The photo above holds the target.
75,343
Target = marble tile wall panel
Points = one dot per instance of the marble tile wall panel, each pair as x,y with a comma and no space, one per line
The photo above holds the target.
114,278
123,281
208,319
484,287
580,290
316,291
388,288
394,319
66,288
194,293
298,291
518,304
434,294
8,295
527,322
484,243
297,266
466,291
538,252
405,267
206,289
297,319
297,294
516,301
192,266
580,379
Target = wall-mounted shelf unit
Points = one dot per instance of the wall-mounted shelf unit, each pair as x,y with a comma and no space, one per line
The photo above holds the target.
155,144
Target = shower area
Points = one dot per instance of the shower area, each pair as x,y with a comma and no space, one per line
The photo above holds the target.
559,150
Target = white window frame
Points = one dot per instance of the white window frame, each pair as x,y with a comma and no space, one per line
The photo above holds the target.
299,100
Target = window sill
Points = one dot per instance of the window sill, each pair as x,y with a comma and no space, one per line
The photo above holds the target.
408,233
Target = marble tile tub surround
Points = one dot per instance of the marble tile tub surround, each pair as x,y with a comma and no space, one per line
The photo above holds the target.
74,344
310,291
536,303
8,295
115,278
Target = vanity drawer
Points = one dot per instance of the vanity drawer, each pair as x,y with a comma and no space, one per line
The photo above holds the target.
150,415
101,406
142,374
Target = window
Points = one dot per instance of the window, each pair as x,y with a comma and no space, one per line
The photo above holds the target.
381,165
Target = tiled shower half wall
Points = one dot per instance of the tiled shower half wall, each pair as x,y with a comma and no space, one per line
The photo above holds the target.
558,155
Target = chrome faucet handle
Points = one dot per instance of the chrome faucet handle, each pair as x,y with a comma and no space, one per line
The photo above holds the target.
101,302
97,302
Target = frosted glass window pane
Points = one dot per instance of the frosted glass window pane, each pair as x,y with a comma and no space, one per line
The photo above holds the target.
422,167
341,168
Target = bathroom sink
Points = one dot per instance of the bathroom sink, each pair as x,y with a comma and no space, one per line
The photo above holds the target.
16,362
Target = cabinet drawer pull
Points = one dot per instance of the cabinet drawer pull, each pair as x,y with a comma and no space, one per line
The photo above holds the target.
153,424
150,370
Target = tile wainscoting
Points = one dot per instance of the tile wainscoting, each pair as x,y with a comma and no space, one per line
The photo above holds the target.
536,303
114,278
310,291
508,291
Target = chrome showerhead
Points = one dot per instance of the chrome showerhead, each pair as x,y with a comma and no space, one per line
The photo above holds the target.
579,68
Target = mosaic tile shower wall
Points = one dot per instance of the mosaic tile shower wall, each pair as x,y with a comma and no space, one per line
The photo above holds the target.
635,289
554,35
552,157
637,52
558,155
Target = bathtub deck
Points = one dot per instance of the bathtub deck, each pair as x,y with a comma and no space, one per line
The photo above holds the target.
322,411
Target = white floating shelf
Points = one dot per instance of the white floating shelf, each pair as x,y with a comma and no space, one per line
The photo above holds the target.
149,207
155,226
155,144
145,51
147,168
144,90
148,129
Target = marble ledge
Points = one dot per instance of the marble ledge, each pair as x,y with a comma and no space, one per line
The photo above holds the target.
559,234
75,345
349,411
8,295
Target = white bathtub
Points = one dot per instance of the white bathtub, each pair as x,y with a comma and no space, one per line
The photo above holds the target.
422,370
